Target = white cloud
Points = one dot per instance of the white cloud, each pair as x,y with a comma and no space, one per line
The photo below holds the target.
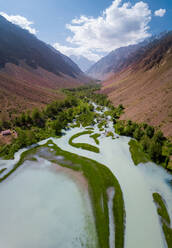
81,50
160,12
21,21
119,25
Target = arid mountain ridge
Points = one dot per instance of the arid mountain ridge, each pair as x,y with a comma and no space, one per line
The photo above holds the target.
143,84
31,72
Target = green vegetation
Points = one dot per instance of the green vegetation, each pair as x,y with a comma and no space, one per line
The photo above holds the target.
99,178
89,93
83,145
20,162
2,170
110,134
34,126
89,128
137,153
37,125
165,219
102,124
95,137
151,144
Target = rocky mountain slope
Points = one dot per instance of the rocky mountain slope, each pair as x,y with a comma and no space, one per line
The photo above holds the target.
118,59
111,63
31,72
143,84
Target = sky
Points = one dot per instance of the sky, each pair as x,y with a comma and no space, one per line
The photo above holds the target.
91,28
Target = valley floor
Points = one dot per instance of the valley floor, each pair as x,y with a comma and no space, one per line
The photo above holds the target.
142,226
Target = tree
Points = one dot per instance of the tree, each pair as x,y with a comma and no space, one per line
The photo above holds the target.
155,152
145,141
150,131
158,137
28,118
37,118
57,126
138,133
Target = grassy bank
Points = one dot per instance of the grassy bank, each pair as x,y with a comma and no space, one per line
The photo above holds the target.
99,178
84,146
165,219
20,162
150,145
137,153
95,137
2,170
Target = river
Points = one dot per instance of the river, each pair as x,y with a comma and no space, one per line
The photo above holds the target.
143,227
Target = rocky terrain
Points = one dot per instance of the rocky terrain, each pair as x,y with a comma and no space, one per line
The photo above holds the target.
143,84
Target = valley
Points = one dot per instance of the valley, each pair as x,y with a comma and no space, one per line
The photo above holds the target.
85,136
106,164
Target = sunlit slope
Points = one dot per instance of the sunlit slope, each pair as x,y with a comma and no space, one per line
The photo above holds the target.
144,87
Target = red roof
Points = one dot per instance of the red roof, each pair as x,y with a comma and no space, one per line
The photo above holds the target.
6,132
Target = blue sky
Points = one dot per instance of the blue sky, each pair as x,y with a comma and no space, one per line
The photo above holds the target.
95,27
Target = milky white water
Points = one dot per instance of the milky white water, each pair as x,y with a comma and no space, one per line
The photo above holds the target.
41,208
143,228
111,193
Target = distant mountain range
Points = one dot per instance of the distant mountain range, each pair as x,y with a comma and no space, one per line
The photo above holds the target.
31,72
140,77
119,58
83,63
112,62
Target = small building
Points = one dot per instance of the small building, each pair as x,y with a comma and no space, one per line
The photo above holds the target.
6,132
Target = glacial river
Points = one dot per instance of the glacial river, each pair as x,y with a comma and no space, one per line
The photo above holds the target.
42,208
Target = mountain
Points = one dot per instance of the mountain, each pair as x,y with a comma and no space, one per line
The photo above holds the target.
31,72
82,62
116,59
143,84
111,62
18,44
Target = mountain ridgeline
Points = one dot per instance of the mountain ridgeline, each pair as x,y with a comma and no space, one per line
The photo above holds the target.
112,62
142,82
17,44
31,71
124,57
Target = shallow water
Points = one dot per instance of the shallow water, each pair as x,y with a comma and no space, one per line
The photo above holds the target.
42,208
111,193
143,227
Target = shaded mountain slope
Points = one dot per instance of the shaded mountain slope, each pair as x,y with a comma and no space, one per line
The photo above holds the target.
18,44
144,85
31,72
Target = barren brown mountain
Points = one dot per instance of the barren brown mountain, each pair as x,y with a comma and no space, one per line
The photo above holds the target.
32,73
144,85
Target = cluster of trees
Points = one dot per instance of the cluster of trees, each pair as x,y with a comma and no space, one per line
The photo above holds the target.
34,126
38,118
152,141
90,92
116,112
